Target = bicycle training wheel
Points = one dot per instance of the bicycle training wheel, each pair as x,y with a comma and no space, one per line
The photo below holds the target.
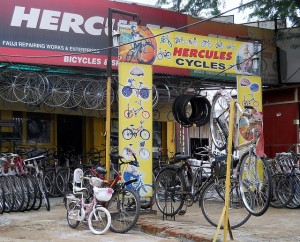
212,202
73,215
169,187
99,220
124,208
255,178
219,120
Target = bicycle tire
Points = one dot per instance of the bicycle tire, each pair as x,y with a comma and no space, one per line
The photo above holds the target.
8,85
219,118
59,91
124,208
144,153
212,202
25,188
39,198
18,192
8,194
280,196
146,53
32,191
43,190
169,187
62,181
2,199
50,183
144,134
260,186
146,202
126,91
73,214
127,134
99,220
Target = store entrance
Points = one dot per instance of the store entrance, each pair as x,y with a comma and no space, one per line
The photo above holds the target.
69,132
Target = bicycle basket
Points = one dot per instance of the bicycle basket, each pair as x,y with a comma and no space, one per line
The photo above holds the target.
103,194
142,144
96,182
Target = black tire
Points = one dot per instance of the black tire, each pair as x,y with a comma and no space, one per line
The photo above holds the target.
9,195
72,215
127,134
2,198
282,190
39,198
32,189
18,192
62,181
260,183
50,183
212,202
25,188
124,208
169,188
146,202
44,195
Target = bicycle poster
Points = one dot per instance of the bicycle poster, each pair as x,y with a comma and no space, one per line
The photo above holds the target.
249,89
135,124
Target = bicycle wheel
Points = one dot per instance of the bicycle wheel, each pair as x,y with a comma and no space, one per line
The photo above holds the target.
73,215
59,91
146,53
99,220
169,187
17,185
62,181
144,93
24,186
146,200
130,55
43,190
219,120
255,177
50,183
32,191
2,199
145,135
93,95
127,134
126,91
144,153
39,198
9,195
8,86
282,191
212,202
124,208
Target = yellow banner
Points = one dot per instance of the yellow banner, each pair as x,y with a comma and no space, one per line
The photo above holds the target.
250,94
135,125
187,51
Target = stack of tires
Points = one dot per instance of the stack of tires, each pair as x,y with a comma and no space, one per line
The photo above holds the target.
191,110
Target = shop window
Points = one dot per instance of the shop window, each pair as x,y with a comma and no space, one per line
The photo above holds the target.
38,127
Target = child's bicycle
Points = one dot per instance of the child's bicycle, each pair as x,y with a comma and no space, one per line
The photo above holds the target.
98,217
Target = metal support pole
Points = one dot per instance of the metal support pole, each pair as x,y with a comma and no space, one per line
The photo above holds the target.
108,85
225,216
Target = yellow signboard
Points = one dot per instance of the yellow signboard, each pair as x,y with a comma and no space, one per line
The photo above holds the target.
187,51
135,125
250,95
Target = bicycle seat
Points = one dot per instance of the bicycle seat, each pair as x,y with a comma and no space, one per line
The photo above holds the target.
181,157
101,170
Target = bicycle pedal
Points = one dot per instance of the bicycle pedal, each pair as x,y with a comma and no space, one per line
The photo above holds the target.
181,212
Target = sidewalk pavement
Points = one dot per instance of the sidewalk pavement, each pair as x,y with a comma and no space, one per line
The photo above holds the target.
275,225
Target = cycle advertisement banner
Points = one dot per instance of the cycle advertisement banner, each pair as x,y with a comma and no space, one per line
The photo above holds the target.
249,90
135,125
157,47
